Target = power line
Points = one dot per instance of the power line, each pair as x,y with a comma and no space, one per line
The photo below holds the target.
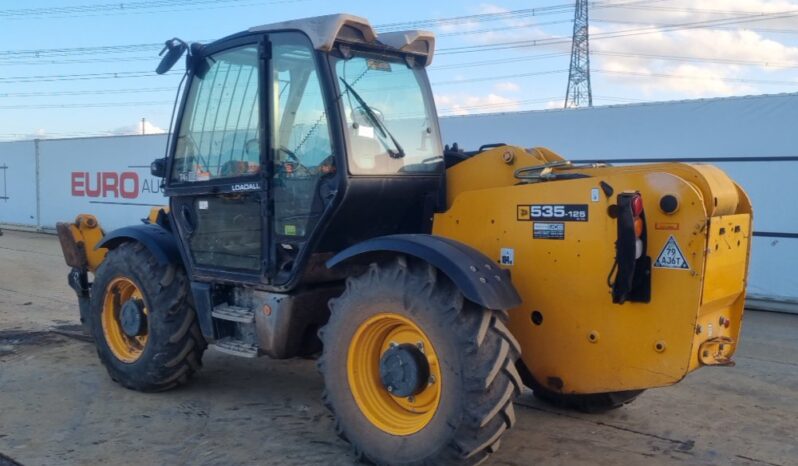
619,99
478,18
60,52
81,77
700,78
87,105
440,83
504,15
677,9
496,78
452,50
758,29
484,17
615,34
502,29
499,61
724,61
49,62
89,92
141,7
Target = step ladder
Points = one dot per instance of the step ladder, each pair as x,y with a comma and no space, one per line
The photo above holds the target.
231,345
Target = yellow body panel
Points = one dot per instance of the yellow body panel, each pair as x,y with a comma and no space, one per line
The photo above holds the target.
78,241
585,343
155,211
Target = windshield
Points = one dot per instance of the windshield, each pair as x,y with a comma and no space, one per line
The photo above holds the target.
390,122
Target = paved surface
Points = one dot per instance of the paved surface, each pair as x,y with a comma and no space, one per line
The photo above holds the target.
58,406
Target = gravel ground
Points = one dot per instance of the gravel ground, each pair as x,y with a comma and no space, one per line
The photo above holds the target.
58,406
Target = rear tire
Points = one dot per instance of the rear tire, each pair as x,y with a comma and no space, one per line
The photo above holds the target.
593,403
170,347
478,378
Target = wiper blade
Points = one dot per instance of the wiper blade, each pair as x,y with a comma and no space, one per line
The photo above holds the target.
399,152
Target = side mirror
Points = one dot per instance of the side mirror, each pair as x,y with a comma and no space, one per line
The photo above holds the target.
158,168
174,48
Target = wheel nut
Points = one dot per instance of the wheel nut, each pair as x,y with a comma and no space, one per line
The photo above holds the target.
431,380
411,398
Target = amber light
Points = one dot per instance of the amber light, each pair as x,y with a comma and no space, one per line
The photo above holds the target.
638,227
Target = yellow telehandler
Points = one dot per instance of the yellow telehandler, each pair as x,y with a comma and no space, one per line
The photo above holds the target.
313,211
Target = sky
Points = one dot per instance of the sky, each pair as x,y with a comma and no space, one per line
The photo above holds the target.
503,55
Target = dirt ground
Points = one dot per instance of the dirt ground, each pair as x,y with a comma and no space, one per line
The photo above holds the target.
58,406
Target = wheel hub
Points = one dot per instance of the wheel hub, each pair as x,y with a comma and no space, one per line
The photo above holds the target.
132,318
404,370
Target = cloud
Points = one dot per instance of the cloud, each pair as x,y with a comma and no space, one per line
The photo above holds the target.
465,104
733,51
677,11
136,128
705,43
507,86
508,28
691,80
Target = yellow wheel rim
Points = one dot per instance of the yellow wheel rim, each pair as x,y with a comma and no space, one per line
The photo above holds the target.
126,348
391,414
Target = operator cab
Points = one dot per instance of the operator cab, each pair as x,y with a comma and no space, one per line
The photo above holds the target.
295,140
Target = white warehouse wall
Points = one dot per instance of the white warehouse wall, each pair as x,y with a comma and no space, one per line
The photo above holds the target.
757,133
108,177
18,183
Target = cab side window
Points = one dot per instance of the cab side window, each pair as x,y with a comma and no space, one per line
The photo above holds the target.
219,135
301,142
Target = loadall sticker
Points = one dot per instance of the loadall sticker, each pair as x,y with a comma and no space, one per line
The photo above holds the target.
544,230
559,212
671,257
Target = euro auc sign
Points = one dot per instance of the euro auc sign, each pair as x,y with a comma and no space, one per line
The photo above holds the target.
110,184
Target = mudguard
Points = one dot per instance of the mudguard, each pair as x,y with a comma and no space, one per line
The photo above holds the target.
158,240
476,275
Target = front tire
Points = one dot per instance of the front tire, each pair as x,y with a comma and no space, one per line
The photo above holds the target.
464,403
143,322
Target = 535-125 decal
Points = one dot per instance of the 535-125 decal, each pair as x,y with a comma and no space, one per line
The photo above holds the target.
559,212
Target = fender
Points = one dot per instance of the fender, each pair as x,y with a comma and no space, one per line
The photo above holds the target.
158,240
476,275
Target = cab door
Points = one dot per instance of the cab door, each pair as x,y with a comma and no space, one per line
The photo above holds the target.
217,181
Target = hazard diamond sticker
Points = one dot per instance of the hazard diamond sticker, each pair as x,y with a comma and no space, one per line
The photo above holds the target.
671,257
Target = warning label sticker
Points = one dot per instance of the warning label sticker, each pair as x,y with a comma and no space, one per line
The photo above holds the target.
542,230
671,257
507,256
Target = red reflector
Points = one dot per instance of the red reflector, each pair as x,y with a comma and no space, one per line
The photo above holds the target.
637,205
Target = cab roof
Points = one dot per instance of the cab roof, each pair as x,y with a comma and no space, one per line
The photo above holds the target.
324,31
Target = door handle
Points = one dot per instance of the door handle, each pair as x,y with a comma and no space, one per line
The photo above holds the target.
188,218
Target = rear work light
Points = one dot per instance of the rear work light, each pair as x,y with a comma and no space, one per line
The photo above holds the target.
630,278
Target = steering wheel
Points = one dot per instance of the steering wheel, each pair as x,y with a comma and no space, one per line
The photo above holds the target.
291,155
